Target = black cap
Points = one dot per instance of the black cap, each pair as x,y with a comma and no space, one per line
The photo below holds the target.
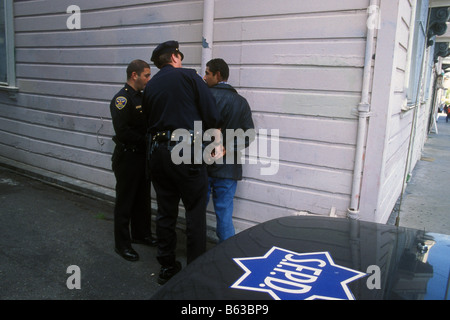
166,47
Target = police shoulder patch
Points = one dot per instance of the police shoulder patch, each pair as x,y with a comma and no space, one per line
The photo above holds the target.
121,102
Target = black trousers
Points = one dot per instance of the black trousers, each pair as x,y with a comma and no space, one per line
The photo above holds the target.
132,208
172,182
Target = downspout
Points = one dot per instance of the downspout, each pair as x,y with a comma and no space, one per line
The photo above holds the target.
363,115
208,32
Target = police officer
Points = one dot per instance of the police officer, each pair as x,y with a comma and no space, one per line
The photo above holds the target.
132,208
174,99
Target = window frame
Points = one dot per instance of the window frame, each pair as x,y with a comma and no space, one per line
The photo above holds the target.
10,85
417,56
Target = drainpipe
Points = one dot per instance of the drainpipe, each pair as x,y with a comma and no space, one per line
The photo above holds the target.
363,116
208,32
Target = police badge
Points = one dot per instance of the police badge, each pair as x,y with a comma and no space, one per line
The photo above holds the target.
121,102
287,275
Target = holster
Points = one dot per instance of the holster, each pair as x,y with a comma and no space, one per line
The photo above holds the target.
164,138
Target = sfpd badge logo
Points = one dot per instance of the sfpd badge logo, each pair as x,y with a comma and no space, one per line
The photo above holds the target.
121,102
287,275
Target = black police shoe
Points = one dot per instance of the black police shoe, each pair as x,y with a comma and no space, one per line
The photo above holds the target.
168,272
149,241
128,254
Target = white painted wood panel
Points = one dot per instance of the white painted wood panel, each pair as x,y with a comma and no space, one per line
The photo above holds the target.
90,74
109,16
324,52
48,7
123,36
55,135
65,105
306,78
311,178
58,151
309,128
83,90
302,102
293,27
226,9
290,198
322,155
70,169
61,121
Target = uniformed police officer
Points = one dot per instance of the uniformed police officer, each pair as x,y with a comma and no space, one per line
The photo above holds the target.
174,99
132,208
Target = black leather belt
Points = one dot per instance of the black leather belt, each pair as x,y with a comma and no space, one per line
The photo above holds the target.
128,147
165,139
163,136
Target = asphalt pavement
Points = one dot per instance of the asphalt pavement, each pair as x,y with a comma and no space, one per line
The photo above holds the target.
45,230
57,244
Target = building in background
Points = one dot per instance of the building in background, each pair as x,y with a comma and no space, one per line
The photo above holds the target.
342,92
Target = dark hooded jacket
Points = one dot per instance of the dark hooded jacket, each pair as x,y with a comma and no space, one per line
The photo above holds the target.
236,114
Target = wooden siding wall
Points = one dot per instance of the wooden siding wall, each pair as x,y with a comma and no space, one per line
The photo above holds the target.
61,120
300,65
401,145
403,139
298,62
399,122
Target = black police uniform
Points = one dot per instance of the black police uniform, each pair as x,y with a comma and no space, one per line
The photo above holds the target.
174,99
132,208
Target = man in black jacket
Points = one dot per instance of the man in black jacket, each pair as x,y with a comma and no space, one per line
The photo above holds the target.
236,115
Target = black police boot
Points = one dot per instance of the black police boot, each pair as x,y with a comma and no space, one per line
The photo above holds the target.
168,272
128,254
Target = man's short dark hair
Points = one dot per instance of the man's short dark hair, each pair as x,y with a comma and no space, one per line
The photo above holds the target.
219,65
136,66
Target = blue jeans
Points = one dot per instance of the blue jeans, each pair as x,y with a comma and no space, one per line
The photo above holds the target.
223,191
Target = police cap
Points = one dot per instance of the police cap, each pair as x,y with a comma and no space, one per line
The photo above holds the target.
166,47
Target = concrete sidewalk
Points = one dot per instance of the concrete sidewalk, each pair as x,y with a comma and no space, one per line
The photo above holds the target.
426,202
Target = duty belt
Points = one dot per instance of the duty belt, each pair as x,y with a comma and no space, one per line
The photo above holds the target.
167,139
169,136
128,147
161,136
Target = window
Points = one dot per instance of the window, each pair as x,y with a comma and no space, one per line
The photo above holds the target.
418,52
7,59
